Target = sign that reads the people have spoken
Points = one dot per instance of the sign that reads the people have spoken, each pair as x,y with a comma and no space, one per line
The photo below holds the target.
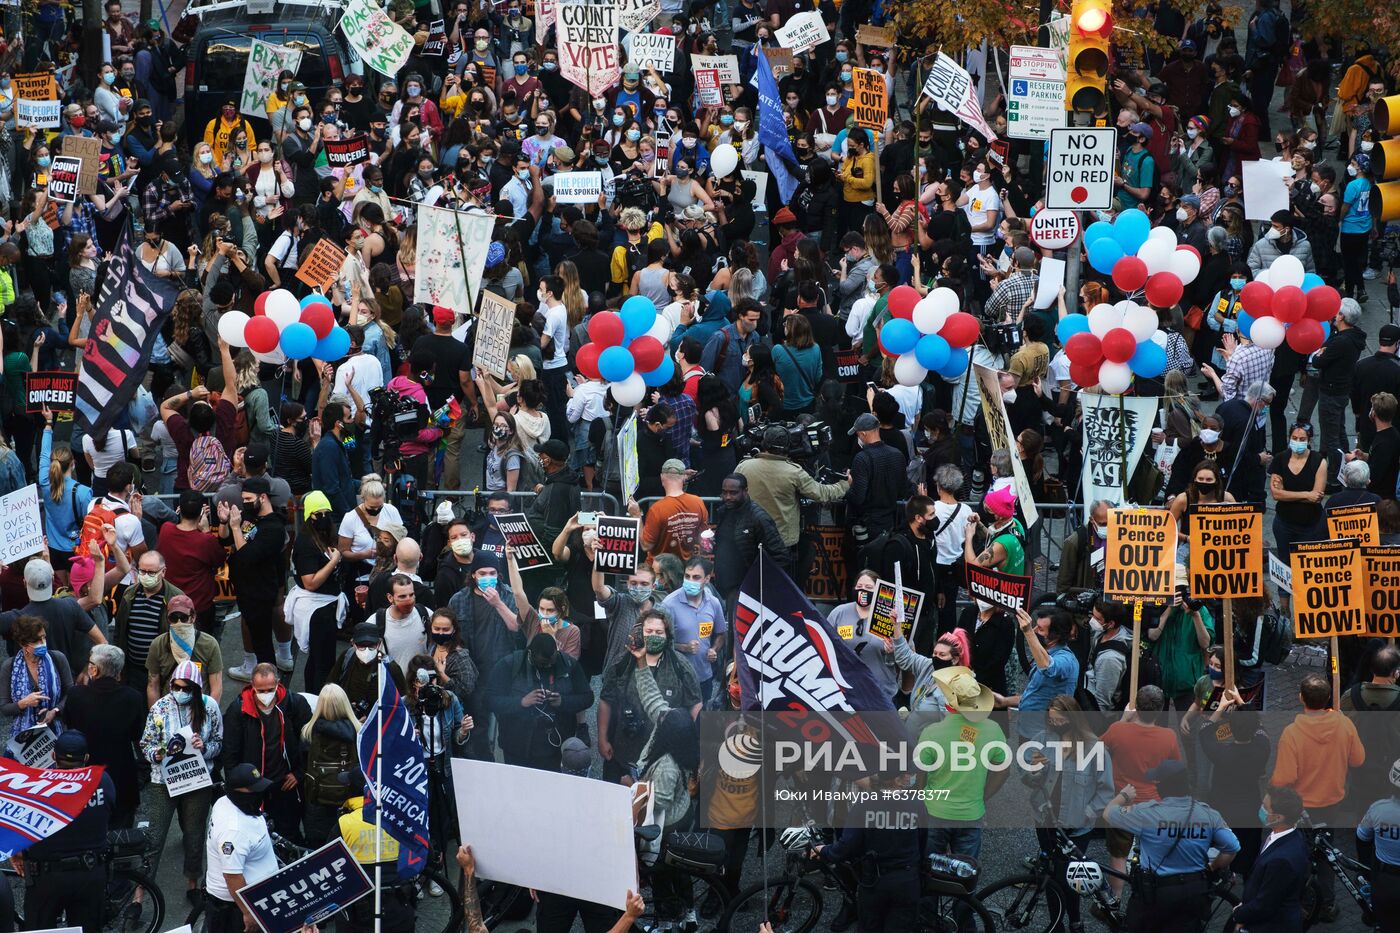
1002,589
619,544
577,187
1328,595
588,46
1227,550
347,153
1355,521
38,114
1140,560
57,390
308,891
519,536
1382,570
883,615
21,531
63,178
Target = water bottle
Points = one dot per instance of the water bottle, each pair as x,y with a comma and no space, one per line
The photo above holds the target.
950,866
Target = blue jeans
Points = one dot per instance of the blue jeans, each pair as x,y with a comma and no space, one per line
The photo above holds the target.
955,839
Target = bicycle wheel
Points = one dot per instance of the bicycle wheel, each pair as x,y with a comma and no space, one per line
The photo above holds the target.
125,914
1223,902
501,902
1024,902
791,905
447,906
953,913
195,920
693,902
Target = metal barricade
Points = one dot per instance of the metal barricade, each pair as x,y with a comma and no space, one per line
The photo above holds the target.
519,501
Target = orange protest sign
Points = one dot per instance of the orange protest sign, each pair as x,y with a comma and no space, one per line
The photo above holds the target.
1328,596
36,85
1140,556
1355,521
320,268
1227,550
869,101
1382,568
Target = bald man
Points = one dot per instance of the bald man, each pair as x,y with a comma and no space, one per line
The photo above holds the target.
407,558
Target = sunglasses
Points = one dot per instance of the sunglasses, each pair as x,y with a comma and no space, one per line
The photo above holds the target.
179,617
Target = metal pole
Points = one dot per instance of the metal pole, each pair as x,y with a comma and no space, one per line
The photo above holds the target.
379,808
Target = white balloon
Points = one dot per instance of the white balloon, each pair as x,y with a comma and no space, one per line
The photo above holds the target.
1142,322
907,371
1161,235
283,308
661,330
934,309
1267,332
1286,270
276,357
945,300
1185,265
1160,339
629,391
1114,378
1103,318
1263,276
1157,254
724,160
231,326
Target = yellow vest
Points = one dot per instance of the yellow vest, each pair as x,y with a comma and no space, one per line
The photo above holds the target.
359,836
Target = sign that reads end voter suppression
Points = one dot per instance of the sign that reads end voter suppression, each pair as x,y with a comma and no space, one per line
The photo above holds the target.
1080,173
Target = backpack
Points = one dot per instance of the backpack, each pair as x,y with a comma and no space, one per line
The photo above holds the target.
321,780
209,464
1149,675
531,471
1275,639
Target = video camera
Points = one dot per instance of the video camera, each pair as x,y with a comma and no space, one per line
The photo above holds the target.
397,418
804,441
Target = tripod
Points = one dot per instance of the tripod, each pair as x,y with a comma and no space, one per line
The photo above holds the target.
439,790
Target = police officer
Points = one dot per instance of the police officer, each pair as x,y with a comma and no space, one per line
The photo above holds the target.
67,872
1171,890
1378,842
238,851
366,841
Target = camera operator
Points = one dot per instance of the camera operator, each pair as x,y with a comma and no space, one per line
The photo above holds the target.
414,448
437,712
356,671
536,693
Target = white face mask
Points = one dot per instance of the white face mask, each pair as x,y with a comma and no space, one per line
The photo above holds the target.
1234,111
1192,133
462,547
304,124
1009,397
265,698
1315,188
1351,170
979,177
1181,215
1209,435
1367,145
366,655
1274,233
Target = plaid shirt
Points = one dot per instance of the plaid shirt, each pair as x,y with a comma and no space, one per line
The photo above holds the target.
1248,364
1010,296
679,435
157,197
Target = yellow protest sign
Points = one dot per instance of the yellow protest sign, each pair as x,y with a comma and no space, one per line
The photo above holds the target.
1328,596
1140,556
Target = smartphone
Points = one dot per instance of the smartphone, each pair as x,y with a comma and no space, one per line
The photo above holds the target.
588,518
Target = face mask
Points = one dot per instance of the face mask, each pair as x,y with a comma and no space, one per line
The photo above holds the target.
266,697
149,580
688,142
327,118
1209,435
299,100
376,189
864,598
1352,170
182,697
655,644
521,68
250,511
639,594
1234,111
1237,284
184,631
78,121
109,78
116,138
683,172
1192,133
263,157
979,177
425,173
1274,233
1367,146
692,587
304,124
831,100
442,638
1298,447
939,664
44,161
1315,188
486,583
632,136
726,119
845,77
365,655
1309,144
1181,215
1205,487
1264,817
551,66
41,651
523,174
842,56
206,158
1009,397
1215,674
648,157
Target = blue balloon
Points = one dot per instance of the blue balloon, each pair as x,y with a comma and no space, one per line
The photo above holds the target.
298,341
638,315
899,336
1245,320
1103,254
615,363
1326,329
1150,360
956,365
1070,325
1311,280
661,374
333,346
1097,231
1131,229
315,299
932,352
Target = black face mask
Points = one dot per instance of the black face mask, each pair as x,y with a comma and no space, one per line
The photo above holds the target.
442,638
939,664
248,802
322,523
250,511
374,509
864,598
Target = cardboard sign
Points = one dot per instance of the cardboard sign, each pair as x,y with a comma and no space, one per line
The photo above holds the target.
33,747
36,85
882,613
435,45
310,890
1079,176
619,544
870,104
650,50
383,44
1003,589
828,582
1227,550
1355,521
635,15
882,36
726,65
802,32
780,60
529,553
88,150
1140,556
347,153
183,769
707,87
21,530
38,114
1328,592
577,187
63,178
322,265
493,330
57,390
1382,569
266,61
587,35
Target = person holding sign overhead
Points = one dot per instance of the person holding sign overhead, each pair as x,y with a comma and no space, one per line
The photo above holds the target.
1297,484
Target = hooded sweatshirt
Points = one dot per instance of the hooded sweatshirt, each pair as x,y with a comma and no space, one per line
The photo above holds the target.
1314,754
426,436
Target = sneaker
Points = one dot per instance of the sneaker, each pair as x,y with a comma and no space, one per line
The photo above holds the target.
1369,274
434,889
1110,913
242,672
233,615
285,663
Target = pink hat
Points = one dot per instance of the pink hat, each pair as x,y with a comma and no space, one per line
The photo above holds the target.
189,672
80,574
1002,502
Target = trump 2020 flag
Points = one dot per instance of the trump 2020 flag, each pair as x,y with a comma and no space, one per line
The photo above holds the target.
772,132
131,308
35,803
401,802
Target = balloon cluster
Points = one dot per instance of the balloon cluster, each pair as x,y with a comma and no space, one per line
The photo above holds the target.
927,334
1113,343
283,328
627,350
1140,257
1286,303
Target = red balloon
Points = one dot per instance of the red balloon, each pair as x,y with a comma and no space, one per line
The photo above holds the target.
1119,345
260,307
1257,299
1305,336
647,352
1164,289
1084,376
262,334
1129,273
1084,349
587,360
901,301
1323,303
320,318
605,329
960,330
1188,246
1290,304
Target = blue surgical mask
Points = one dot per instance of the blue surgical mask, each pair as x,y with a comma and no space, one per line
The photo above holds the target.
108,78
486,583
727,119
1237,284
1263,816
181,696
842,56
521,68
376,189
523,174
43,161
327,118
617,120
41,651
551,66
1298,447
633,135
116,138
692,587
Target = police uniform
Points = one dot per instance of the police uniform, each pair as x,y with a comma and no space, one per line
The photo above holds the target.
67,872
1171,891
238,843
886,858
399,902
1379,832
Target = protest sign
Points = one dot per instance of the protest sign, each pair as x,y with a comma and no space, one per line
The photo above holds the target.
383,44
309,891
650,50
726,65
33,747
627,458
760,188
36,85
1116,431
21,531
88,150
707,87
1328,595
869,101
949,86
265,62
802,32
780,60
1355,521
1279,574
635,15
827,582
347,153
1382,569
882,613
1140,559
451,254
57,390
587,36
1003,589
519,536
999,429
619,544
882,36
436,44
493,329
1227,550
1265,184
849,369
63,178
322,265
577,187
184,769
38,114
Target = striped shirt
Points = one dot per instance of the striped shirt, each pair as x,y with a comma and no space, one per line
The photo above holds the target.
143,625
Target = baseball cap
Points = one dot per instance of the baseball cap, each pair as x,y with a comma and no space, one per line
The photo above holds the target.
866,422
543,647
1187,45
365,634
1390,334
565,154
72,745
575,755
443,315
246,777
181,603
674,467
554,449
1142,129
630,71
257,485
1191,200
38,580
255,456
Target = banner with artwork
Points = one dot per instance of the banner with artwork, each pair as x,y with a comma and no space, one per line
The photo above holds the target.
587,35
383,44
1116,431
265,62
1003,438
451,254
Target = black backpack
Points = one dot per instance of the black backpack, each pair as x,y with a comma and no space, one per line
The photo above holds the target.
1275,638
1149,675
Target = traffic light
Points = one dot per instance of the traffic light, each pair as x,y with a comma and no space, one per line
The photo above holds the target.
1090,28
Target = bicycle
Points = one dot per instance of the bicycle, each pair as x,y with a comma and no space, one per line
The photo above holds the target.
1036,902
693,859
1324,855
128,873
793,903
